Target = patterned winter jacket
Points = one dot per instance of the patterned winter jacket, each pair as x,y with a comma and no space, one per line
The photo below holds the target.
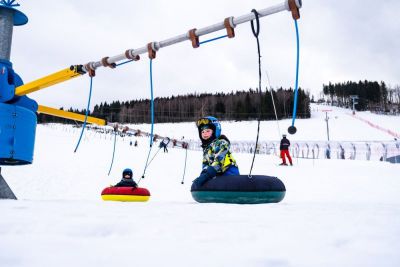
218,155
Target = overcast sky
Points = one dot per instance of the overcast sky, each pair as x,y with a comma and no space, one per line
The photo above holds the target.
339,41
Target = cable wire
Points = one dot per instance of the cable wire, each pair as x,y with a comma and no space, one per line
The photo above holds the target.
292,129
152,119
256,32
86,114
273,103
112,160
213,39
184,168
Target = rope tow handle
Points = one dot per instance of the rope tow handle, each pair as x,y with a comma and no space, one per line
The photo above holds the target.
294,5
133,54
87,111
256,33
115,126
152,54
194,34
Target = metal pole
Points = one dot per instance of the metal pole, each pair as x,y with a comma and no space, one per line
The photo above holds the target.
199,32
327,124
354,99
6,32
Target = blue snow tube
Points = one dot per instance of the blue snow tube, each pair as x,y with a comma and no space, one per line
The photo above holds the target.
240,189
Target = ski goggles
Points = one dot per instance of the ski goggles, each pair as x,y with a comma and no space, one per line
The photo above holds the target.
203,121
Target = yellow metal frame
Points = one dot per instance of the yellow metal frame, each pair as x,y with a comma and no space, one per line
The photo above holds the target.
69,115
48,80
52,79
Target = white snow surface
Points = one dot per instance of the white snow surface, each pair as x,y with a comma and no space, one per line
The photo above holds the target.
335,212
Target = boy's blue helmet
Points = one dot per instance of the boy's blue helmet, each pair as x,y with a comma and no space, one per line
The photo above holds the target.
212,123
127,171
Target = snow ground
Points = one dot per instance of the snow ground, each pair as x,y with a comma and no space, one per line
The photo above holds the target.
335,213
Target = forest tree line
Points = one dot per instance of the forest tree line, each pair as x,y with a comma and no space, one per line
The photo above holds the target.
240,105
372,95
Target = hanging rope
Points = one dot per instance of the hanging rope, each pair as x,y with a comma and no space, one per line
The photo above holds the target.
292,129
184,168
112,160
152,118
256,32
151,102
86,114
153,157
273,103
115,131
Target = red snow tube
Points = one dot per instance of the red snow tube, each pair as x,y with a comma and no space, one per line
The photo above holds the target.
130,194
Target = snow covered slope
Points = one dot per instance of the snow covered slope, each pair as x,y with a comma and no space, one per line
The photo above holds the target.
335,213
342,124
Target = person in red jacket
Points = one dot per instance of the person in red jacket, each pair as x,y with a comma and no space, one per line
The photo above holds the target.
284,147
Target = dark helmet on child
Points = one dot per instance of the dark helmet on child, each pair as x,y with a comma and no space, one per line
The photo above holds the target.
127,171
209,122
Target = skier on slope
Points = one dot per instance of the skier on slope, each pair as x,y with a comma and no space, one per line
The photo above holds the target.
284,147
164,144
217,157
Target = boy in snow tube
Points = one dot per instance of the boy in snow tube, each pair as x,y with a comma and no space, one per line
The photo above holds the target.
217,157
127,180
126,190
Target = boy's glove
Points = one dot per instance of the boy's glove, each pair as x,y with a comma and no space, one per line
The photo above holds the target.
205,175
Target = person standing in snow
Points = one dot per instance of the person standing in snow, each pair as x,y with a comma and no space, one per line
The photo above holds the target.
217,157
127,180
164,144
328,152
342,155
284,147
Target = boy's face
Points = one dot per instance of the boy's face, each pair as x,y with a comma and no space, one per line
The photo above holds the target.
206,133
